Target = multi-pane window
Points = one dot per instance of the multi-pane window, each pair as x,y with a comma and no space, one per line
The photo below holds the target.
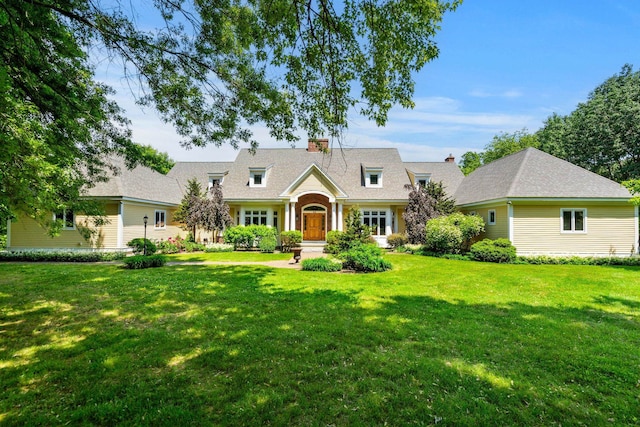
373,179
257,179
574,220
67,218
377,220
255,217
275,219
160,219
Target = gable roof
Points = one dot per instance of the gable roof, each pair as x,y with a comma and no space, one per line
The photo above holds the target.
316,171
184,171
532,173
141,183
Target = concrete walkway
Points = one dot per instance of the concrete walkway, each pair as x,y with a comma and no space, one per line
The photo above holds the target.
290,263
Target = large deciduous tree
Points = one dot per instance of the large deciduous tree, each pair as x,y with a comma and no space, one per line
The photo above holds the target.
425,203
502,145
217,216
211,68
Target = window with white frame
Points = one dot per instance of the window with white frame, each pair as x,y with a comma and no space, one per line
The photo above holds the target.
275,219
255,217
215,179
573,220
161,217
377,220
421,180
491,217
67,217
257,177
373,177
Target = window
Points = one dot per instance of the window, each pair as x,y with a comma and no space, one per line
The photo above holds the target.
160,220
421,180
257,177
573,220
216,178
491,217
377,220
373,177
67,218
255,218
275,219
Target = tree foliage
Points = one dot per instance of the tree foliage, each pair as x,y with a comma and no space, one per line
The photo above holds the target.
192,207
217,216
502,145
210,68
424,204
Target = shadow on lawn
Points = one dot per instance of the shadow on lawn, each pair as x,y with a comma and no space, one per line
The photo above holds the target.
223,345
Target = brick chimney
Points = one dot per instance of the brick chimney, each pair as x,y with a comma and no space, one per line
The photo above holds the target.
318,145
450,159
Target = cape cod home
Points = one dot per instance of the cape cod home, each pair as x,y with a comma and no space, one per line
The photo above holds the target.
544,205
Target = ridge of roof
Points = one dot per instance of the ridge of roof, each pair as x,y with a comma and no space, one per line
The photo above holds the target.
516,177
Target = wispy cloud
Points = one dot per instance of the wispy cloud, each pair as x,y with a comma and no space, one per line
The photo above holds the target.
482,93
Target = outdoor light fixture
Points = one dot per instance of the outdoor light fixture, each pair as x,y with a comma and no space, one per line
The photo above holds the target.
144,245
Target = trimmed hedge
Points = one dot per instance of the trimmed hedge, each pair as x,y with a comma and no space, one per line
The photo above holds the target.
576,260
290,239
138,246
138,262
499,250
61,256
396,240
365,258
268,244
321,264
247,237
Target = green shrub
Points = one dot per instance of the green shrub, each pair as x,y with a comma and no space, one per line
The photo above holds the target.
247,237
193,246
268,244
320,264
452,233
397,240
61,256
138,262
219,247
365,258
138,245
3,241
575,260
290,239
499,250
166,247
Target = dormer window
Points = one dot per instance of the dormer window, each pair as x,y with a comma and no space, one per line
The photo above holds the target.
373,177
257,177
421,180
215,178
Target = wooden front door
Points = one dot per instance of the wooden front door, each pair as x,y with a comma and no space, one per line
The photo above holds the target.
313,226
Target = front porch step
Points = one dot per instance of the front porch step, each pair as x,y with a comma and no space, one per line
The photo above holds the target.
314,246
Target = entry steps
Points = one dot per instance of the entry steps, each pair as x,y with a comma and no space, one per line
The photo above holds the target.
314,246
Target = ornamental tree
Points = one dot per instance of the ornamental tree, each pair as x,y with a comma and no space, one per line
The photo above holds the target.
424,204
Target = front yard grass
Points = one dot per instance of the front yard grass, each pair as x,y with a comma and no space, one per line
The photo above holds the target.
235,256
432,341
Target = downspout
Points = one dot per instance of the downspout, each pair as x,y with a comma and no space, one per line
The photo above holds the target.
510,224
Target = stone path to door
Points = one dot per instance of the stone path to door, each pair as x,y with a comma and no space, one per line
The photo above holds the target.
291,263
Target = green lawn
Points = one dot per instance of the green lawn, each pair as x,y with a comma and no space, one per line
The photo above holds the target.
239,256
433,341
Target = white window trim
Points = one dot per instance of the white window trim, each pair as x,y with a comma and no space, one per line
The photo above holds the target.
155,215
489,212
573,231
213,177
367,177
387,216
64,215
424,177
257,171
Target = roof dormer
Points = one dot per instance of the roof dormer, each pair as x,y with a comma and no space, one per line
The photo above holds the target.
258,176
372,176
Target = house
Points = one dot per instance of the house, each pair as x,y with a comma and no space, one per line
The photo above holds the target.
544,205
310,191
128,197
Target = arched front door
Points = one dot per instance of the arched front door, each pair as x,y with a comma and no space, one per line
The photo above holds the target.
314,219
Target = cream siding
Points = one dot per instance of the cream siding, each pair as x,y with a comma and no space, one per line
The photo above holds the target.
27,234
311,184
537,230
501,228
134,224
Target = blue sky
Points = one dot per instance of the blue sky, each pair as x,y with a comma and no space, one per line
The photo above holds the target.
504,65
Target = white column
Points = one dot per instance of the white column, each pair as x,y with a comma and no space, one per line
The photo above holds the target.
334,220
340,216
120,226
394,215
287,221
242,216
510,214
293,215
387,226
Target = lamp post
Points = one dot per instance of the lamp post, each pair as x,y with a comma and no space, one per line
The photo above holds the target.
144,245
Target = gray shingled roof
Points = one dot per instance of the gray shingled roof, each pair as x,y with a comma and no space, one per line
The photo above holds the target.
184,171
139,183
531,173
342,166
448,173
